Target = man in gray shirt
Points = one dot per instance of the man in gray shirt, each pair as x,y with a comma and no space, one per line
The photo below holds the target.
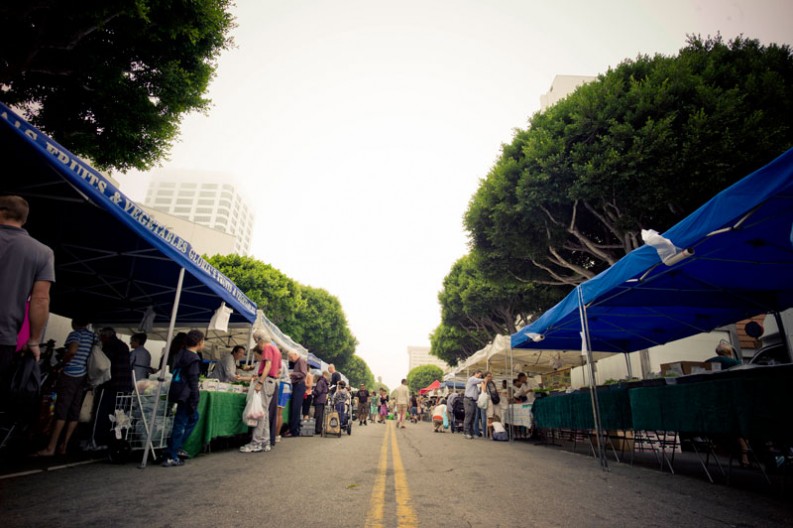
27,269
226,368
471,394
139,357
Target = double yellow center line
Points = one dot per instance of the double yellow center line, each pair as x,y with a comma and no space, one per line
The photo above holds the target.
406,516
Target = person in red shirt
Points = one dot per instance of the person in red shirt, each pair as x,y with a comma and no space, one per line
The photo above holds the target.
264,384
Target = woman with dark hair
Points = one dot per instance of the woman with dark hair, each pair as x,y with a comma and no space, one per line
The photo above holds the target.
177,343
184,392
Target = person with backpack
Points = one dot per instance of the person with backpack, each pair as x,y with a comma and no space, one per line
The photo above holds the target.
184,392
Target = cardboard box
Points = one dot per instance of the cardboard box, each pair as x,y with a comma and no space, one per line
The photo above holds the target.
684,368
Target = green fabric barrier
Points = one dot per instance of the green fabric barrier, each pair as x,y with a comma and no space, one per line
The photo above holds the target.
753,404
219,414
574,411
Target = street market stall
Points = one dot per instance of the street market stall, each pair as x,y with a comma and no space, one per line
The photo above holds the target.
731,260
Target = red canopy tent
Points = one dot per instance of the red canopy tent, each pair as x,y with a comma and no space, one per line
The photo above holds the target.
431,387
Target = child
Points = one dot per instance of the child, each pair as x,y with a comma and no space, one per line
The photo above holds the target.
499,432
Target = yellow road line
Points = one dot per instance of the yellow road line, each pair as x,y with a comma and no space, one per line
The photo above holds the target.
374,519
406,516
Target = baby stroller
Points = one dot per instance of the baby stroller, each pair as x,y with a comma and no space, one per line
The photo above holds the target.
338,414
457,416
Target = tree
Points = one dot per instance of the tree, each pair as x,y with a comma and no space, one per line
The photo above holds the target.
310,316
112,78
321,327
278,296
357,371
641,147
423,375
477,304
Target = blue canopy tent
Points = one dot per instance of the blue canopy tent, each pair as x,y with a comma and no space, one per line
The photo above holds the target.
113,261
734,260
740,264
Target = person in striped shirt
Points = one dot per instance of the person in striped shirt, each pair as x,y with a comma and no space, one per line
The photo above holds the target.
70,387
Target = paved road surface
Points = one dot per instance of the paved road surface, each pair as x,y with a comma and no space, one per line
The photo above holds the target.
382,476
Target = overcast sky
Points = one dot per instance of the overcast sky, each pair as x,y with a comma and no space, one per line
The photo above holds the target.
359,130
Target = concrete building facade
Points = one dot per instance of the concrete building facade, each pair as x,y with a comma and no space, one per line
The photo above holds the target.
208,199
418,356
561,87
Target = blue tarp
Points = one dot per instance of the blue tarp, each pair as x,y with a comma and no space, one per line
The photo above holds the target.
742,266
112,259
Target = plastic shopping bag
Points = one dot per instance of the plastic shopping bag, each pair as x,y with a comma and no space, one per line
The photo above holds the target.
254,410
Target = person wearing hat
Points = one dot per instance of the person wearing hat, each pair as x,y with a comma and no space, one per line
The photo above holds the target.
363,405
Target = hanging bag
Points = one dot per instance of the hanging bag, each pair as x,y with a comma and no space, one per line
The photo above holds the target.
254,410
483,400
493,393
98,366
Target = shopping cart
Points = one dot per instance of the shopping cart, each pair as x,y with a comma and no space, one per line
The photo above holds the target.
131,422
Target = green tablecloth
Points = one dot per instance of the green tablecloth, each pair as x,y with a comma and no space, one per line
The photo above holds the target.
574,411
752,403
220,414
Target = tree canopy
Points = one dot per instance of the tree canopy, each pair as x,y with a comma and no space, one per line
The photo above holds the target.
640,148
112,78
311,316
421,376
357,371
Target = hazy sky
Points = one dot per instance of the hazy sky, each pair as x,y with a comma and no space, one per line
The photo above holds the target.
359,130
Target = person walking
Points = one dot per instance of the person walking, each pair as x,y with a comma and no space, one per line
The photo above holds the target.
363,405
186,368
471,395
402,396
27,270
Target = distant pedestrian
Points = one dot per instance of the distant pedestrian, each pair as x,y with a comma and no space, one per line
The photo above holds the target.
402,396
383,411
363,405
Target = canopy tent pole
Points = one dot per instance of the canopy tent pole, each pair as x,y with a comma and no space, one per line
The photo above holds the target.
585,343
161,379
510,410
628,365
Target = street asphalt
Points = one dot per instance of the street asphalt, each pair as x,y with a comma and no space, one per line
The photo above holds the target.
429,479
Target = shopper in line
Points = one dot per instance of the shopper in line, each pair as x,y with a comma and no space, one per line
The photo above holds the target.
184,391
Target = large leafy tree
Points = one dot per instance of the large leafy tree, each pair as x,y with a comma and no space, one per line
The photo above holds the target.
280,297
357,371
641,147
477,304
111,78
311,316
421,376
321,326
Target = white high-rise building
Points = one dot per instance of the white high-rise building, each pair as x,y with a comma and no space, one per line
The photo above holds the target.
561,87
206,198
418,356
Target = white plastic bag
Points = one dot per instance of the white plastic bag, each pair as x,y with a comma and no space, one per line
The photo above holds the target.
483,401
98,366
254,410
